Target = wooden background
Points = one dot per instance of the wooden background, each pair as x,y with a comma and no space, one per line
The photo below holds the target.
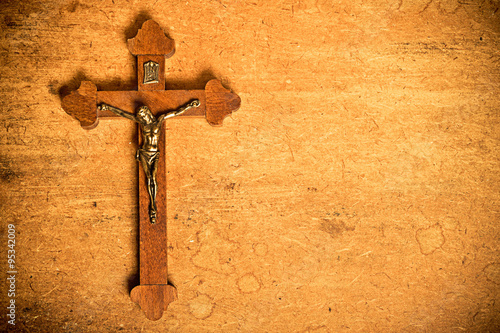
356,189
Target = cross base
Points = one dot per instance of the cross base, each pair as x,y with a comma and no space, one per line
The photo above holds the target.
153,298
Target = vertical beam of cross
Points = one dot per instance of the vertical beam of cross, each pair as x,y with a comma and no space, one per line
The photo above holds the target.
152,47
154,294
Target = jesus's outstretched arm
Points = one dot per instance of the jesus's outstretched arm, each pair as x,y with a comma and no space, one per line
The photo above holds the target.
117,111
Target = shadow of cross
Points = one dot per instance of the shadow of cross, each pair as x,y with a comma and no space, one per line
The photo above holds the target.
151,47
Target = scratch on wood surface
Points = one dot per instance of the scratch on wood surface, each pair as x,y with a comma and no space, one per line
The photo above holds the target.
50,291
355,279
364,254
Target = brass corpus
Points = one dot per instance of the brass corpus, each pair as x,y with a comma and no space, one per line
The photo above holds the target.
149,154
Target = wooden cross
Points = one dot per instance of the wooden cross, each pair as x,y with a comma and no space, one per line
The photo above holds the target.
151,47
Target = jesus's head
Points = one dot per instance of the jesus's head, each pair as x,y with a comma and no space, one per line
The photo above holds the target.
144,115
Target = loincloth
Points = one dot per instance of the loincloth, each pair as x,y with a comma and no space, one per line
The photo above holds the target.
149,156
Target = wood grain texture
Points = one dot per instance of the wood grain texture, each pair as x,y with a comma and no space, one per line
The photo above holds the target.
356,190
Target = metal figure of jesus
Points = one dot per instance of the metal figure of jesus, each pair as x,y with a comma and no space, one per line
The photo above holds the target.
149,154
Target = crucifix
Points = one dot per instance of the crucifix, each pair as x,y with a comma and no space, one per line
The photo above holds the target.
150,106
